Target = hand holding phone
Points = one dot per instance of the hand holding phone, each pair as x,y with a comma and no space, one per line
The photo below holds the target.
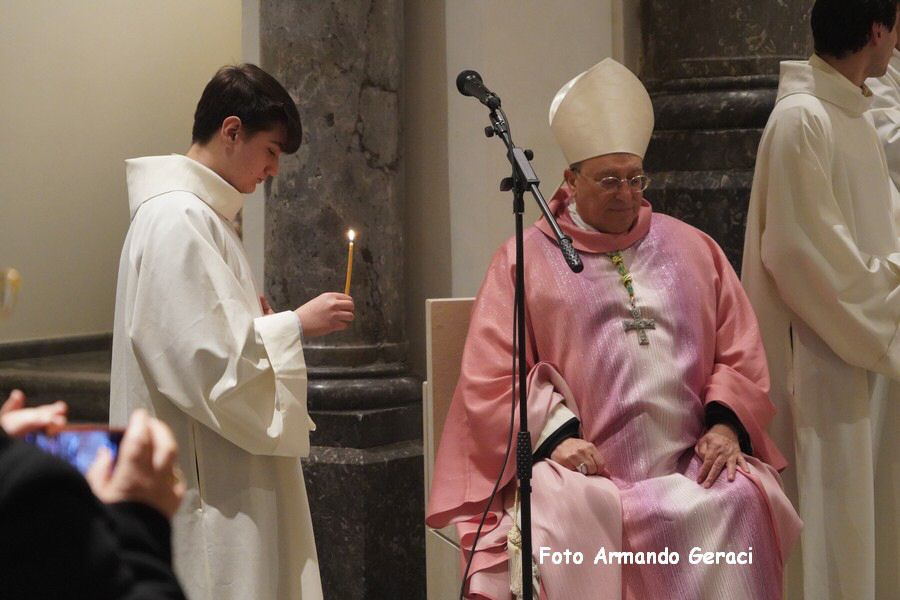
146,471
79,444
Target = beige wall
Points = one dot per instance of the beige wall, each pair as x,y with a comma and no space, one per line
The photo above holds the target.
88,84
253,213
525,51
426,181
627,43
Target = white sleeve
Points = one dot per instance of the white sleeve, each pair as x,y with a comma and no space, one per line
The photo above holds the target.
201,345
849,298
887,124
559,416
885,116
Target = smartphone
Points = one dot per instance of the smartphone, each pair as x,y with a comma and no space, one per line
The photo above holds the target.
78,444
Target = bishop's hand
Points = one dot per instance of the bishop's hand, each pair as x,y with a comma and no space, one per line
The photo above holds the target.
575,452
266,307
719,448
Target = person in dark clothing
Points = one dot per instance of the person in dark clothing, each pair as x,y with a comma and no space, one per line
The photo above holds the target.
63,537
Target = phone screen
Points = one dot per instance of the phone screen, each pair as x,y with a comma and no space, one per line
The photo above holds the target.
78,445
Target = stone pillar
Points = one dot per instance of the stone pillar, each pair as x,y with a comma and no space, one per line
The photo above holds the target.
341,63
712,71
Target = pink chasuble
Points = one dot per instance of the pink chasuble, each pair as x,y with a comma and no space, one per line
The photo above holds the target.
643,407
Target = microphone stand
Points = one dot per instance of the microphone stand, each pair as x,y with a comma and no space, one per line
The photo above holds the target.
523,177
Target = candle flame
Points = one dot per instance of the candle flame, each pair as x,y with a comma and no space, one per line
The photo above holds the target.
351,235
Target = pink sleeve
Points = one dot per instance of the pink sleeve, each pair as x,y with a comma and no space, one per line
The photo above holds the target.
740,376
477,427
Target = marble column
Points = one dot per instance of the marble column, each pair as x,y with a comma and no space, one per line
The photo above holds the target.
341,62
712,71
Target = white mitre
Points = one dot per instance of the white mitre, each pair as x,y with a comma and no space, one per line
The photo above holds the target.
606,109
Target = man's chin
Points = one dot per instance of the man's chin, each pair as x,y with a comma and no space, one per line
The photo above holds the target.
622,223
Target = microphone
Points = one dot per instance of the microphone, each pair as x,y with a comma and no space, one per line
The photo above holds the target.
469,83
570,254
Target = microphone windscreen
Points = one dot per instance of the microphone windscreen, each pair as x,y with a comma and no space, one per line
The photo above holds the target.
462,78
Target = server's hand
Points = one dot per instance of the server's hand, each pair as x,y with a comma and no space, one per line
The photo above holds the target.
325,314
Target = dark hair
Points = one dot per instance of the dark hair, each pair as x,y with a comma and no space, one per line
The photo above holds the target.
255,97
842,27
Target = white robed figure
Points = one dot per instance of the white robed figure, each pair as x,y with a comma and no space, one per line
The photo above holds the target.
885,113
822,269
196,346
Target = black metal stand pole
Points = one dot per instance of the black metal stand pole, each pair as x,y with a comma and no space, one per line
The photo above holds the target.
523,177
523,443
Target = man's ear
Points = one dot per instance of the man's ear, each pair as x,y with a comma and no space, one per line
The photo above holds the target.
569,176
230,129
877,33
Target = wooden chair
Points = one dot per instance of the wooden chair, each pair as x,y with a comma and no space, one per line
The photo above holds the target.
446,325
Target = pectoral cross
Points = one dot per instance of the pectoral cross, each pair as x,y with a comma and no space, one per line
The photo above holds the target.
639,324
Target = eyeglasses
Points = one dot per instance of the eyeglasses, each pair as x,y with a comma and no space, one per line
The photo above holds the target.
609,185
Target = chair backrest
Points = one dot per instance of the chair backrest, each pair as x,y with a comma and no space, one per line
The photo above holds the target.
446,325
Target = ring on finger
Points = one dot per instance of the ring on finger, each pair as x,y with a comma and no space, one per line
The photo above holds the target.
582,468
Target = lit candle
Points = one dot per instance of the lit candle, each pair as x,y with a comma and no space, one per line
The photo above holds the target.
351,235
